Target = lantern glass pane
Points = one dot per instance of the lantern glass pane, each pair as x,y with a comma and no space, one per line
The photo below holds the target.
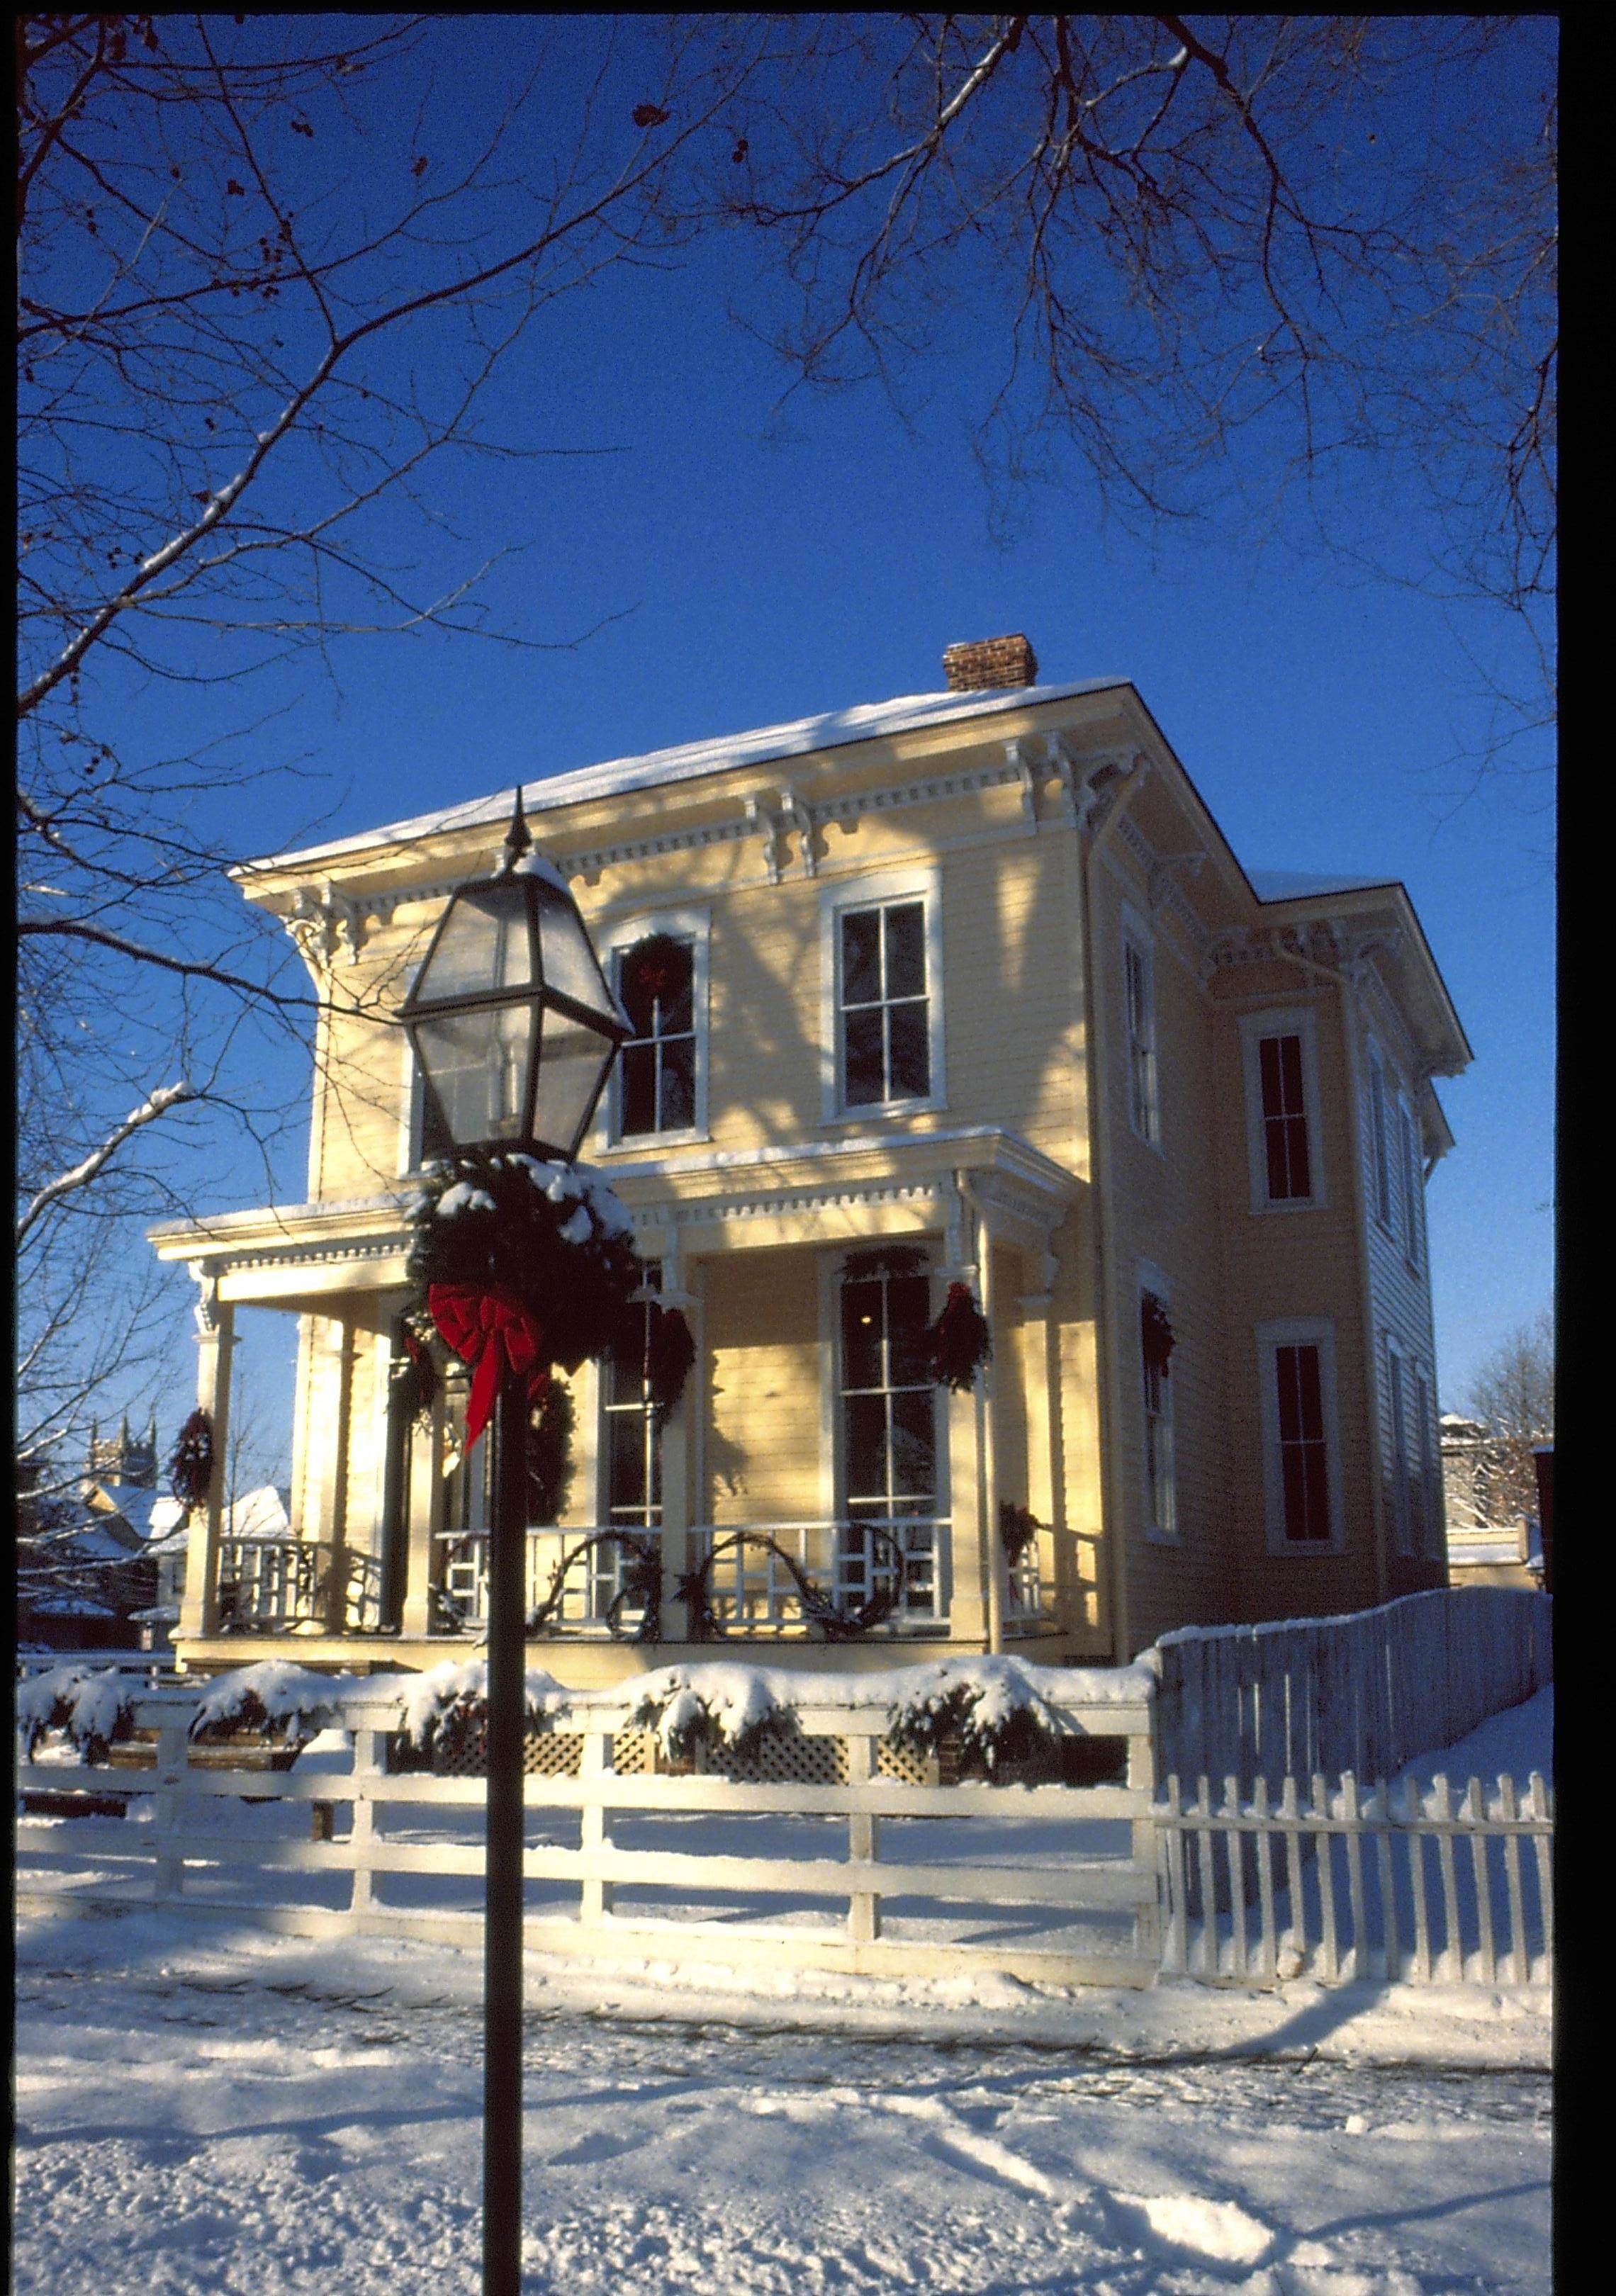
569,961
484,946
477,1065
573,1062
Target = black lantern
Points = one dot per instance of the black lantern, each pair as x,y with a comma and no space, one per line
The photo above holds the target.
513,1027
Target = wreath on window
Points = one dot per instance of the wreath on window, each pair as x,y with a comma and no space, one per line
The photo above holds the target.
1155,1333
655,967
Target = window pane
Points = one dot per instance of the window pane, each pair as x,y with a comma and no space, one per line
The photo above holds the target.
865,1081
484,945
913,1446
679,1084
1295,1129
866,1438
861,956
572,1062
908,1313
639,1088
1267,1057
911,1077
905,950
861,1335
627,1466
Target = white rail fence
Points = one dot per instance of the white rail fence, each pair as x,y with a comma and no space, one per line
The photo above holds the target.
880,1870
1047,1883
1399,1885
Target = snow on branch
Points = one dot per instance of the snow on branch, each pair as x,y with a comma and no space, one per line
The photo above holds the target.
67,1184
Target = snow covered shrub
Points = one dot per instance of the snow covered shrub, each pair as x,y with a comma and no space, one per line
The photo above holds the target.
728,1709
93,1710
273,1700
987,1707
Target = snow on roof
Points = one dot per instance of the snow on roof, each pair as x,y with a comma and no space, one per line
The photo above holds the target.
262,1513
832,729
1297,885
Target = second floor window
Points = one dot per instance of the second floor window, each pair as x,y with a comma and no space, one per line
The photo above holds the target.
657,1070
1139,990
1286,1160
885,1022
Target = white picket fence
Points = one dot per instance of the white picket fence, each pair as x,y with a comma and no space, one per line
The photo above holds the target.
1395,1886
1047,1883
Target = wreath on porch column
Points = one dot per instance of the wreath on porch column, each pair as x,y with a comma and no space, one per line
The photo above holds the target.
960,1341
191,1468
413,1387
670,1353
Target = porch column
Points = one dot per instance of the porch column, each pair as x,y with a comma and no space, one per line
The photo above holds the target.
1040,1376
336,1599
425,1471
968,1619
992,1546
215,1338
681,1289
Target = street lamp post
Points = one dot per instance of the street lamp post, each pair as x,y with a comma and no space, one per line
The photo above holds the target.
514,1031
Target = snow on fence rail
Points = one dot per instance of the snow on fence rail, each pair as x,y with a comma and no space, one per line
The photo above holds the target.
1350,1888
1088,1914
1363,1693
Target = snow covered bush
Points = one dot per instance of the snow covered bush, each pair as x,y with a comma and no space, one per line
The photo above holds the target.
93,1710
730,1708
990,1708
272,1700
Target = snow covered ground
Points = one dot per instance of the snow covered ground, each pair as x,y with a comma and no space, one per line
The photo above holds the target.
203,2108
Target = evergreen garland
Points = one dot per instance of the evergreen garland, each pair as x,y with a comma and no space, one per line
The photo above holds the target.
960,1341
1019,1529
191,1468
670,1353
413,1387
550,1425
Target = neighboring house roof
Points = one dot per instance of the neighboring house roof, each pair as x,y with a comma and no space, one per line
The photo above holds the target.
832,729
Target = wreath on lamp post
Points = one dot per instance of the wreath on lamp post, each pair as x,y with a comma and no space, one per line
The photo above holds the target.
519,1262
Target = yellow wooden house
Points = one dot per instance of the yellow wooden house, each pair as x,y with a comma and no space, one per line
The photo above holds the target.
966,987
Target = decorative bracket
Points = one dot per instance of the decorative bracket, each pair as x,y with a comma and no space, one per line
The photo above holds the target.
1016,757
771,826
1159,881
319,921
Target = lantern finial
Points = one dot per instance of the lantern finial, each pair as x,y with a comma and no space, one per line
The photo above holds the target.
519,838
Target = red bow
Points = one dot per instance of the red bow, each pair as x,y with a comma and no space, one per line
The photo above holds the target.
488,1329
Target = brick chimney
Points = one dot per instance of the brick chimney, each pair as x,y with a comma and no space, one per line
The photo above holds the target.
988,662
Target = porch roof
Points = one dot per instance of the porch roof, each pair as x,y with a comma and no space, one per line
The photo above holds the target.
297,1256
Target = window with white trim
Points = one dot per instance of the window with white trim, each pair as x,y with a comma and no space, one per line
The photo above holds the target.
1155,1353
1414,1184
658,965
889,1449
630,1446
1397,1451
1301,1449
882,995
1280,1061
1427,1484
1139,999
1380,1145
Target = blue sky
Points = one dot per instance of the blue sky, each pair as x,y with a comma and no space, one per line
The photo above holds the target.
768,563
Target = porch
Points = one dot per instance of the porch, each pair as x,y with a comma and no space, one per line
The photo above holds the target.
688,1532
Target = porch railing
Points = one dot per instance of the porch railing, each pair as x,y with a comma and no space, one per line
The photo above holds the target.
751,1592
281,1586
593,1582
